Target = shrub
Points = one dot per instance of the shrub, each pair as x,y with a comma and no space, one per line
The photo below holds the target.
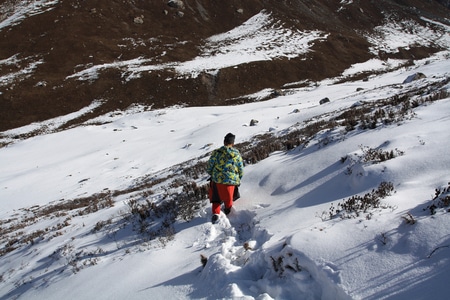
355,205
441,200
286,261
409,219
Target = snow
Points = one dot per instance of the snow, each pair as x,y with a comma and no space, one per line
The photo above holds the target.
277,243
260,38
393,36
12,13
21,74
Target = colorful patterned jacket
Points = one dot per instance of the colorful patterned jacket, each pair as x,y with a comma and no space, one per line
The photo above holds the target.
225,166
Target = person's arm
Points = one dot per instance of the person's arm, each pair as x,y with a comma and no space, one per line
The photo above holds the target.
211,163
240,167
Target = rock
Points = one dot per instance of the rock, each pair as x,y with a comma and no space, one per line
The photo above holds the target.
254,122
324,100
176,4
139,20
276,93
414,77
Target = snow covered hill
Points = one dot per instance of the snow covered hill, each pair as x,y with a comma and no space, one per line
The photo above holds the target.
83,210
348,199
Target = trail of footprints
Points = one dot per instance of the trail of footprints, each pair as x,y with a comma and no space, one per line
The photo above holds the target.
237,237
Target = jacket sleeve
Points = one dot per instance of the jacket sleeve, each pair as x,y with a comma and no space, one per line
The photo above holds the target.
240,167
211,163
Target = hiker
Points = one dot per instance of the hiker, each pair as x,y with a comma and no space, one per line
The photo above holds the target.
226,169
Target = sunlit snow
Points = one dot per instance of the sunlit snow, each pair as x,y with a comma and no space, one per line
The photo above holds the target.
277,243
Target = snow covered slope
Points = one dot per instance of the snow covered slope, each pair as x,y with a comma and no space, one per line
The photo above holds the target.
282,240
343,200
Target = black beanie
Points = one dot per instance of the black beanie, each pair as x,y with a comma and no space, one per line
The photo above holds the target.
229,139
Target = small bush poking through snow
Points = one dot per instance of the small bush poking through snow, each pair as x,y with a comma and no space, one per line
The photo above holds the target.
355,205
409,219
441,199
378,155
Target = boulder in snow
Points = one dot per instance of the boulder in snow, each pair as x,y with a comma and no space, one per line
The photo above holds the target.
254,122
413,77
324,100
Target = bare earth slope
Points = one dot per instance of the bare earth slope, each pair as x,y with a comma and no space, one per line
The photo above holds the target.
57,57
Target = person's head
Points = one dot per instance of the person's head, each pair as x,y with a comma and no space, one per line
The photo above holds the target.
229,139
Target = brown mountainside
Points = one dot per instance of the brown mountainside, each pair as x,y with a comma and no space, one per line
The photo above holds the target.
73,35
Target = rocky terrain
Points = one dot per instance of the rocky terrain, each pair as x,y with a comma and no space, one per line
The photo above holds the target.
57,57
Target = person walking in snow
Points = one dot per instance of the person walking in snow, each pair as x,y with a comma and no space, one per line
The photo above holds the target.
226,169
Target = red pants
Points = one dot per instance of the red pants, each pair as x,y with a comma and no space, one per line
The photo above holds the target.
225,192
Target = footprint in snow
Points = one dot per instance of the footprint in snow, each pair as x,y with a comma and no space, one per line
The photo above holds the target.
235,236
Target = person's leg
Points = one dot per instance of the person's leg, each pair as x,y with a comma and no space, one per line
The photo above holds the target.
226,195
214,199
216,208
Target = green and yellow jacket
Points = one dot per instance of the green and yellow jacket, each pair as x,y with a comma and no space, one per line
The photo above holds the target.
225,166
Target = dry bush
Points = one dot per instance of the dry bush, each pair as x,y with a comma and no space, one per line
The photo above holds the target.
286,262
440,200
15,237
409,219
82,206
369,155
355,205
190,200
378,155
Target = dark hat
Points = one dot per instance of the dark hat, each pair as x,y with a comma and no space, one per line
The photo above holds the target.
229,139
